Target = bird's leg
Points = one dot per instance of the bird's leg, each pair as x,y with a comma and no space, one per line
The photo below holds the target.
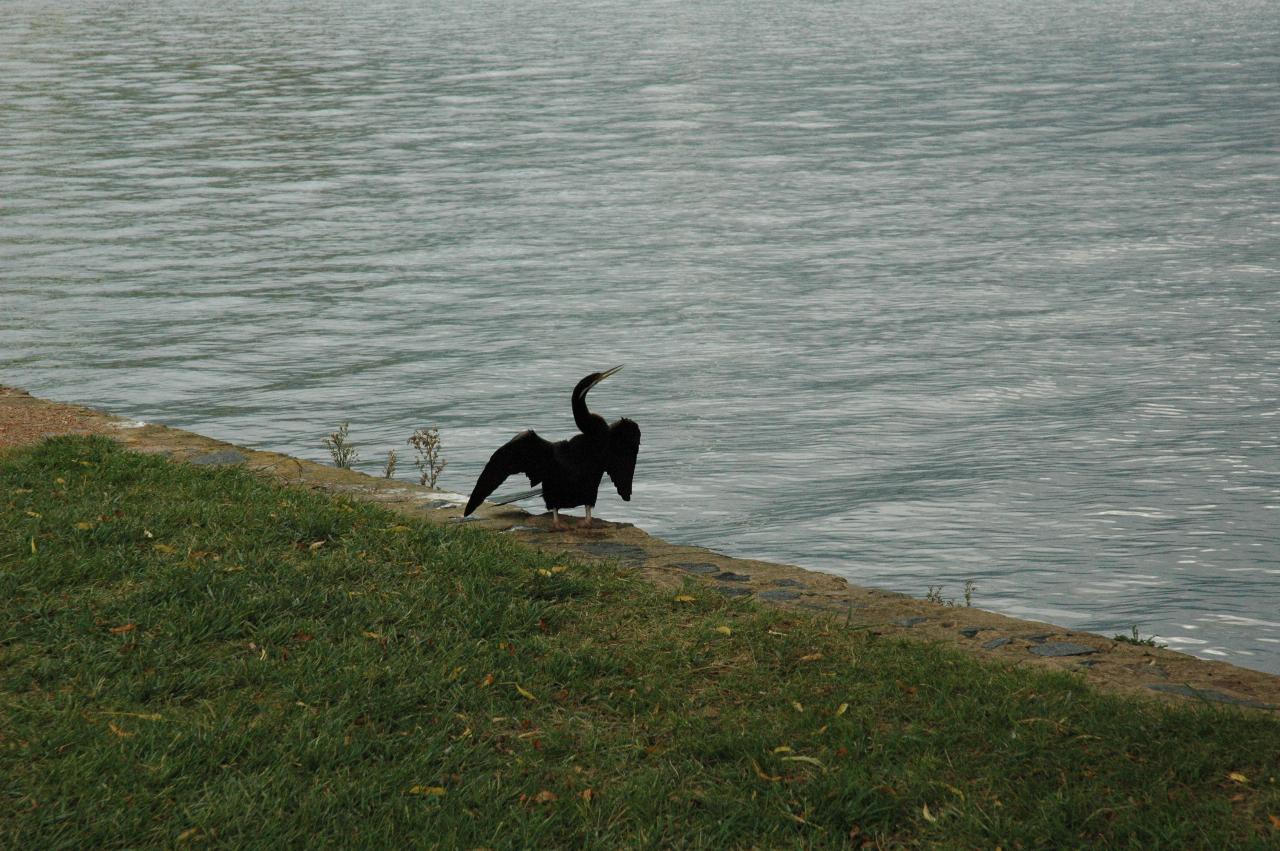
555,519
586,521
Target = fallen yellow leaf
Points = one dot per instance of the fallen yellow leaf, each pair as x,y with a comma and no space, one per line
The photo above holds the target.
397,528
807,759
525,693
724,630
188,834
120,630
34,513
1238,777
487,681
772,778
84,525
812,657
797,706
559,568
33,546
782,749
315,546
546,796
844,707
924,811
426,791
683,598
542,571
373,635
163,548
124,734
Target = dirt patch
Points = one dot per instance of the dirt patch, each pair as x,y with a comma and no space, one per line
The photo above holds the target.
26,419
1149,672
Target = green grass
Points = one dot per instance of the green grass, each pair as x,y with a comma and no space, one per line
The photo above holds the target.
194,657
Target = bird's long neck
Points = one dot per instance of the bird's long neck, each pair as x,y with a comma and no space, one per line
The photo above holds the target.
588,423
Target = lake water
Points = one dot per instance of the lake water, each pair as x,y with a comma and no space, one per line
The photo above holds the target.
912,292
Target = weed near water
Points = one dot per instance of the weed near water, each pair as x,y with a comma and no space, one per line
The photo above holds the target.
192,655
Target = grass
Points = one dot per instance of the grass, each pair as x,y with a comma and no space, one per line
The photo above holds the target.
197,657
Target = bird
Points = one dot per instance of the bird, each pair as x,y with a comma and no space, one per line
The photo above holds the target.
568,470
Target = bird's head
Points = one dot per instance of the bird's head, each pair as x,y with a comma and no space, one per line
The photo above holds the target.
591,381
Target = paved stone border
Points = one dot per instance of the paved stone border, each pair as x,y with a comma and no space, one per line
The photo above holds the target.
1148,672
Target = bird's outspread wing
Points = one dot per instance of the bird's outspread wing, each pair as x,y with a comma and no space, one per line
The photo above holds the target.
620,463
525,453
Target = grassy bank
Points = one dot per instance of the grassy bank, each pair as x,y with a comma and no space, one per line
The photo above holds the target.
193,656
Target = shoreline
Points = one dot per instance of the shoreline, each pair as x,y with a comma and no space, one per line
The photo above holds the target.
1109,665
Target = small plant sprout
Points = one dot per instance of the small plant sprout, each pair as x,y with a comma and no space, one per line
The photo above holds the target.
935,594
1134,638
430,460
343,453
389,469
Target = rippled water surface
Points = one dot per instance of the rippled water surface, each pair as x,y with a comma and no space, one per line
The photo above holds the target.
912,292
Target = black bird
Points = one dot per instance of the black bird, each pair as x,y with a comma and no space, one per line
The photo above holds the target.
568,470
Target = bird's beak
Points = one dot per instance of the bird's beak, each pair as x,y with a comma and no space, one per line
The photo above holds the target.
603,375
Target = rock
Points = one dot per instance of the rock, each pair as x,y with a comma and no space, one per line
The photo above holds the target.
221,458
787,583
697,566
909,621
612,549
1037,637
729,591
1210,694
778,596
971,631
730,576
1062,648
996,642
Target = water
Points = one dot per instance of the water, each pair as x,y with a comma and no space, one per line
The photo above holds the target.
910,292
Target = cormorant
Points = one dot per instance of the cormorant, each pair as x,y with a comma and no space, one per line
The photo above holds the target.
568,470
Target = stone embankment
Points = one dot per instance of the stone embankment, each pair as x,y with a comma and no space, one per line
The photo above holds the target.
1109,665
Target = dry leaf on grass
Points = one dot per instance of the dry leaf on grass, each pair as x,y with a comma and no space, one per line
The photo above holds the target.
427,791
772,778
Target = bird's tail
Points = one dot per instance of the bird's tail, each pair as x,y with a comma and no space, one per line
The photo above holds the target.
518,497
